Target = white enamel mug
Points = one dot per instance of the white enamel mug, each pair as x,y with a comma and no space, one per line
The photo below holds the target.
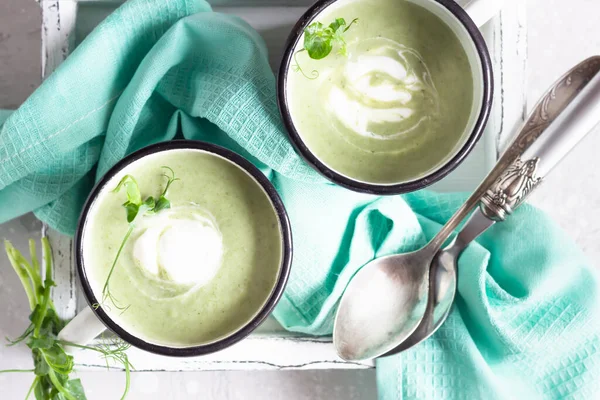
92,321
464,23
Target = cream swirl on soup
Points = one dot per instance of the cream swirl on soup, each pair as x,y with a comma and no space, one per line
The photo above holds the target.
182,245
383,91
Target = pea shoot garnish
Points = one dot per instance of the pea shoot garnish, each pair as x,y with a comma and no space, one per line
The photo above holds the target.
319,41
135,208
52,365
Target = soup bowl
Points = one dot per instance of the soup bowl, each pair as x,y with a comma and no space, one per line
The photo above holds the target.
319,141
254,194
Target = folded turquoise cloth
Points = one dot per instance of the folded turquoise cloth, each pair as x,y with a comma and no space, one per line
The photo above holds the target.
4,115
525,321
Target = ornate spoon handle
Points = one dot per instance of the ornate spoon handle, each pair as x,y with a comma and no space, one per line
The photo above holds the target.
493,189
568,112
498,189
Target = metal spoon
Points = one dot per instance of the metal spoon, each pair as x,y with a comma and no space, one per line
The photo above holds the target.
444,266
388,299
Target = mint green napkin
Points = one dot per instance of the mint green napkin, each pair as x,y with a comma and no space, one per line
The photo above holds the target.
524,325
4,114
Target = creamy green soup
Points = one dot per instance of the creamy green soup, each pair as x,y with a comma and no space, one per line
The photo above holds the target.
396,106
193,273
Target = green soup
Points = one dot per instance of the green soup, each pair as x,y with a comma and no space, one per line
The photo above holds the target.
396,106
196,272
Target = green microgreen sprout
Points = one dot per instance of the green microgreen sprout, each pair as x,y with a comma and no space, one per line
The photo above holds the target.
319,41
113,351
135,208
52,365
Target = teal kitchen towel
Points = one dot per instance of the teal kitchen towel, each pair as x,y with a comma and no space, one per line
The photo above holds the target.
4,114
525,320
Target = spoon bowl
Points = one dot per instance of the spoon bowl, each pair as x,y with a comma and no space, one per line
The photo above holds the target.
443,281
367,302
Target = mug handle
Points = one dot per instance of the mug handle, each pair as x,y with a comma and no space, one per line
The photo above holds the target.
81,330
481,11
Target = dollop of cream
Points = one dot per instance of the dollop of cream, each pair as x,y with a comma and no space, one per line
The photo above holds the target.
384,90
182,244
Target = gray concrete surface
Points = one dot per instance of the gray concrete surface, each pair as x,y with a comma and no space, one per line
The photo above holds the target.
561,33
20,69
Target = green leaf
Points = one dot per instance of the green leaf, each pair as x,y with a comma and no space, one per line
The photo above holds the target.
75,388
162,204
338,35
35,313
42,342
15,257
58,360
37,316
62,378
41,367
58,383
314,28
319,48
150,202
317,40
132,211
52,323
38,391
337,24
133,191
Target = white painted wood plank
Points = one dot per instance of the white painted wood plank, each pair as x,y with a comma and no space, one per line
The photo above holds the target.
510,42
58,23
255,352
64,294
271,347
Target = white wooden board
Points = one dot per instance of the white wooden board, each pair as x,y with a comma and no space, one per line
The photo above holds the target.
67,22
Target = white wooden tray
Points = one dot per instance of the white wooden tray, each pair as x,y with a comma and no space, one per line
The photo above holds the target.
67,22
